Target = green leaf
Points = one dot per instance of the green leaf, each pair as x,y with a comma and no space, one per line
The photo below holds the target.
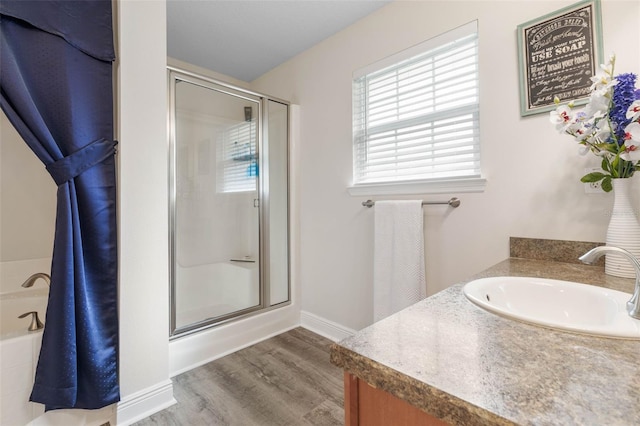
593,177
614,165
606,184
605,165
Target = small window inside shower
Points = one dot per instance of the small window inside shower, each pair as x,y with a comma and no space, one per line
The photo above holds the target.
238,160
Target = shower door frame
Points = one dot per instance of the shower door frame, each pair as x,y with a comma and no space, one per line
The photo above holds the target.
174,75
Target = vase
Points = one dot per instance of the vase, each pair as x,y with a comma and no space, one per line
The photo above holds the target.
623,230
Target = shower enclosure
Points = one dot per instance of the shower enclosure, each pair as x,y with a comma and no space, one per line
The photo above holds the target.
229,251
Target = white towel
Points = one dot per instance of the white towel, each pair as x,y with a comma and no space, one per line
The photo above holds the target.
398,271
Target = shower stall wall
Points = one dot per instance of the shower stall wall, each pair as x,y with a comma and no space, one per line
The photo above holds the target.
228,202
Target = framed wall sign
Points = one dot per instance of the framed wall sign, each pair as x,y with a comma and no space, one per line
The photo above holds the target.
558,54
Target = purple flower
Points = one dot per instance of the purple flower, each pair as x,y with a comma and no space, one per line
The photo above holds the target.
624,93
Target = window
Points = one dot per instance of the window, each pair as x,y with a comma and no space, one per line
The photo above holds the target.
239,166
415,114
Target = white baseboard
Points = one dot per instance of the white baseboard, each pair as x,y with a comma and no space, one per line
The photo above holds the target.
192,351
325,327
144,403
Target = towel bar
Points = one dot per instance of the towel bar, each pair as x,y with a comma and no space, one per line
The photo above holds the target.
453,202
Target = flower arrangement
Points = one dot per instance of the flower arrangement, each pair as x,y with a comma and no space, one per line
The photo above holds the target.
608,125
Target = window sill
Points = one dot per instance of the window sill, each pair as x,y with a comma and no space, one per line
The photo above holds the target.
420,187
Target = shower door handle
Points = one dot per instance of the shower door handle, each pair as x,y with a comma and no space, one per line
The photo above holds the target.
256,202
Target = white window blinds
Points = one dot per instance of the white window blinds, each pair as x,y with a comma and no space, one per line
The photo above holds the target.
238,168
417,119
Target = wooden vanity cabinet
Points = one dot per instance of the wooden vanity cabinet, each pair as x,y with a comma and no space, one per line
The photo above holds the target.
365,405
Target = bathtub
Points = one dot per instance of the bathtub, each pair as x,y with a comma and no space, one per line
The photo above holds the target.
19,350
211,290
14,304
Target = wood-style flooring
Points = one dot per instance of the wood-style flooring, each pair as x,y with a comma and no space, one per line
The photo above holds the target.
285,380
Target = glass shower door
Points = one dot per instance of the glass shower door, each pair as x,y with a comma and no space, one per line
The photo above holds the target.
215,208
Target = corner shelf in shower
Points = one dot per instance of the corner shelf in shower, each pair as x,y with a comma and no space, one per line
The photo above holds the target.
246,157
243,260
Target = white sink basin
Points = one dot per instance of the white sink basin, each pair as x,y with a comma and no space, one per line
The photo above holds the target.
557,304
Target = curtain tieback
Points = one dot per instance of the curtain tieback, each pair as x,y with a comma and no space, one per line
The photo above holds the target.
73,165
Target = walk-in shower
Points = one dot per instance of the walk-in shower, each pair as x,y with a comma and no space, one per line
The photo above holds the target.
229,252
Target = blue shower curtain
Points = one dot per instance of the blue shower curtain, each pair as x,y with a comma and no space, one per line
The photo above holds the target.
56,89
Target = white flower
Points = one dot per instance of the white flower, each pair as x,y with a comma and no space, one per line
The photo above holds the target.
594,129
603,86
562,117
607,69
584,149
632,132
633,113
632,154
602,131
602,153
598,104
631,143
603,81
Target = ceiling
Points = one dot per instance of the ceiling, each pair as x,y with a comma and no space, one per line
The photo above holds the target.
245,39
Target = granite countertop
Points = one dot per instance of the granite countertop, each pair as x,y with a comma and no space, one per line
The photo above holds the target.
466,366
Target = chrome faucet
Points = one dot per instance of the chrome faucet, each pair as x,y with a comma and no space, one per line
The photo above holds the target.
33,278
633,305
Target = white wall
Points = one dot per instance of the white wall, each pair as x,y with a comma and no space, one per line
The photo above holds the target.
144,281
28,200
533,173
